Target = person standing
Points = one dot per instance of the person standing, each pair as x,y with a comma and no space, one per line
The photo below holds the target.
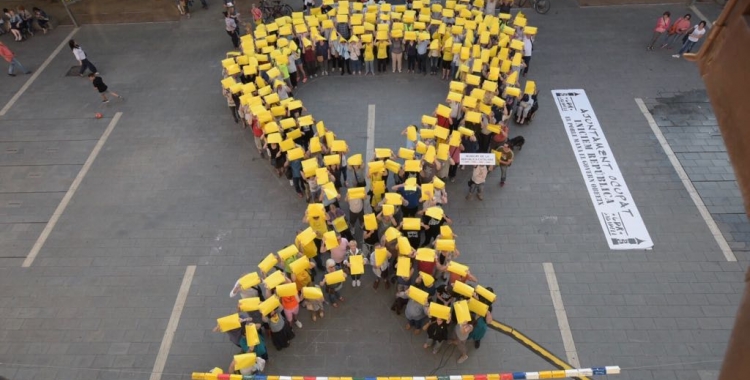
82,58
382,55
528,47
11,59
677,30
397,54
506,159
476,185
422,47
437,333
411,56
662,24
462,332
489,8
102,88
231,28
321,55
693,36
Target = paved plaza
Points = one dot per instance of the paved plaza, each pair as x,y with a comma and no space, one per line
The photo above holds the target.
178,184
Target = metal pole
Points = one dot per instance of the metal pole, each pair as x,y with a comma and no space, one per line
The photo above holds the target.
70,14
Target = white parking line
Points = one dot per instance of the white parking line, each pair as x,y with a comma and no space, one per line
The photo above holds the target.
562,316
69,194
174,320
370,133
701,15
37,72
705,214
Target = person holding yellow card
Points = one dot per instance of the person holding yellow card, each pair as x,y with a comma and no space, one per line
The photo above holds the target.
331,291
281,330
416,315
355,261
480,323
338,221
431,226
462,331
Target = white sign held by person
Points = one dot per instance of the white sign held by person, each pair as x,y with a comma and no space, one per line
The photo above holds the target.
615,207
476,159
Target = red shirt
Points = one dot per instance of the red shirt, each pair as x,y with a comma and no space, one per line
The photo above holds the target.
426,266
6,53
257,132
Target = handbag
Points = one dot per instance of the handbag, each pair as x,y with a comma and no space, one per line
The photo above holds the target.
320,58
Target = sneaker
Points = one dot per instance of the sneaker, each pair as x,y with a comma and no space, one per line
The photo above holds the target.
291,183
299,324
502,183
479,196
477,343
105,101
468,197
12,75
354,283
675,56
359,283
462,359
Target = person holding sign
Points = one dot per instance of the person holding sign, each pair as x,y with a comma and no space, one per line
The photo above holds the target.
355,261
281,330
380,260
332,283
416,315
505,159
476,183
480,322
462,331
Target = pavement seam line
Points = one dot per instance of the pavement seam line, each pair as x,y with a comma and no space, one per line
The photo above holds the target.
370,132
701,15
697,200
69,194
174,320
37,72
562,315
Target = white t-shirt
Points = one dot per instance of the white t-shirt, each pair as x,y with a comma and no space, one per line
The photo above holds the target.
527,46
696,35
78,52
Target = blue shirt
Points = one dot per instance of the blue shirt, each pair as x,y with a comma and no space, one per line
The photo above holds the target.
411,196
422,47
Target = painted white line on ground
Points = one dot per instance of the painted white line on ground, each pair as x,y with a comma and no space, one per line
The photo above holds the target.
37,72
701,15
707,217
370,133
69,194
562,316
174,320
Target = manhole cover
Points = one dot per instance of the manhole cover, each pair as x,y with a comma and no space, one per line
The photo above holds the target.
74,71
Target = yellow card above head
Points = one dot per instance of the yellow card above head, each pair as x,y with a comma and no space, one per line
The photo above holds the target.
412,224
228,323
406,154
473,79
327,24
332,159
459,269
455,139
462,312
435,212
469,102
410,36
233,69
329,189
250,70
356,264
421,147
413,166
411,184
478,307
288,252
359,29
427,279
442,152
438,183
428,190
366,38
508,31
249,280
392,166
404,248
381,35
315,145
288,123
463,289
251,334
458,87
243,361
287,290
519,21
530,87
454,96
465,131
426,134
339,224
354,160
312,293
375,166
383,152
530,30
278,111
286,145
330,240
228,82
443,110
464,68
268,263
271,99
275,279
505,66
486,293
426,254
516,44
336,277
403,267
306,236
494,128
439,311
429,120
322,176
356,192
339,146
312,208
392,234
371,222
497,101
299,265
411,133
249,304
227,62
271,128
429,155
447,245
381,254
418,295
513,91
269,305
474,117
388,210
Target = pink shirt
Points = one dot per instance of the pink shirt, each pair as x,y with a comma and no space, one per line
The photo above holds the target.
339,253
662,25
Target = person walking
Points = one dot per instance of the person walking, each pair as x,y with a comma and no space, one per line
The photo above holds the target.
662,24
12,61
231,28
102,88
677,30
476,184
693,36
506,159
82,58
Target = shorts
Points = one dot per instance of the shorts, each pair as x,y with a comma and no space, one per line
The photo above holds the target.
102,89
258,142
447,65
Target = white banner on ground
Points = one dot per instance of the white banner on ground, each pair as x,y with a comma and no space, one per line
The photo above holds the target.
475,159
615,207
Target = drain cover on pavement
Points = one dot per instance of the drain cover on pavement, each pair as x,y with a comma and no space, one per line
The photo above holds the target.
73,72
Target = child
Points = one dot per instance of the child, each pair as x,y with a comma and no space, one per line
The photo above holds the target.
353,251
315,307
98,83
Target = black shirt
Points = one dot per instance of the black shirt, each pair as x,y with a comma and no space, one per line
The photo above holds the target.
99,84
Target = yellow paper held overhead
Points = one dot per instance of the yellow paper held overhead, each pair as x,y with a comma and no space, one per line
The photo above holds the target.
381,254
371,222
435,212
391,234
421,147
295,154
392,166
516,44
412,224
485,293
339,224
378,187
438,183
275,279
393,199
442,152
355,160
406,154
513,91
429,120
473,117
323,176
375,167
269,305
331,159
268,263
418,295
306,236
383,153
478,307
446,232
463,289
288,252
403,268
312,293
443,110
465,131
330,240
314,209
459,269
286,145
426,134
388,210
462,311
336,277
429,155
440,311
249,304
287,290
427,279
251,334
228,323
243,361
530,87
404,248
357,264
445,245
473,79
426,254
413,166
339,146
249,280
299,265
356,193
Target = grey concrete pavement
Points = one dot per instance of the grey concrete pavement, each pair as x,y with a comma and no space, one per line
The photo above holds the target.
179,184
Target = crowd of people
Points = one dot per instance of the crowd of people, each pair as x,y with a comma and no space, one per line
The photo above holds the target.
23,23
385,213
666,33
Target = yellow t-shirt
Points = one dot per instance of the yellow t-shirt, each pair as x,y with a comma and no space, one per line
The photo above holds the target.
382,52
448,55
369,52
